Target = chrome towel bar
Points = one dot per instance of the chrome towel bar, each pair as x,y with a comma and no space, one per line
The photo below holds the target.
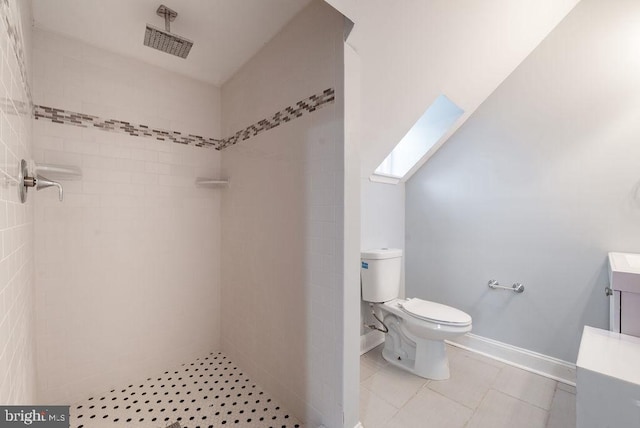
516,287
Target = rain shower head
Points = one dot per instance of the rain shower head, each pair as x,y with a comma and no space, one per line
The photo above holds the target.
164,40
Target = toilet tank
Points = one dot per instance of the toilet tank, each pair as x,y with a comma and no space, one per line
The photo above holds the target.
380,271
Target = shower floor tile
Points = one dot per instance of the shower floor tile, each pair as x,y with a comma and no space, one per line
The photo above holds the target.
209,392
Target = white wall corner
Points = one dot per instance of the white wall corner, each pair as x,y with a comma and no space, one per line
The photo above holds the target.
370,340
346,7
351,238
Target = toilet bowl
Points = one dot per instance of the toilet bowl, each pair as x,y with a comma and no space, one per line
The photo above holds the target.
417,331
416,328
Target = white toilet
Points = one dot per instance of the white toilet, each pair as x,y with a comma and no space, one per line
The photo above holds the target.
417,328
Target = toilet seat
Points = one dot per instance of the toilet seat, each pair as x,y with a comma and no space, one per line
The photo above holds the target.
435,312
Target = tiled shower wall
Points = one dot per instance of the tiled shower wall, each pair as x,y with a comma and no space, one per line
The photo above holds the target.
127,267
282,220
17,346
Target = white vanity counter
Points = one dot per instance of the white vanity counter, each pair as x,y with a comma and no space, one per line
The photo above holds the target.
608,380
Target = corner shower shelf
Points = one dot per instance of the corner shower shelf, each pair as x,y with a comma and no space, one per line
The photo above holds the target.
211,183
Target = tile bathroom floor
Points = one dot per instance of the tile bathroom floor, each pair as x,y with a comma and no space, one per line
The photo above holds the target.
481,393
208,392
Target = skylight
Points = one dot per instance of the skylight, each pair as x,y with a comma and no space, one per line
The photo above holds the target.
427,131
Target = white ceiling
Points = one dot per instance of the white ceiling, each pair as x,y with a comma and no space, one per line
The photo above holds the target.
226,33
410,52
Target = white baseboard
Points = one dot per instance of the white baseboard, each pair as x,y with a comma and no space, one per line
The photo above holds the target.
370,340
550,367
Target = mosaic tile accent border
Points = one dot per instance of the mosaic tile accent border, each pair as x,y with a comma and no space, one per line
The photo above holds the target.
302,107
14,33
57,115
307,105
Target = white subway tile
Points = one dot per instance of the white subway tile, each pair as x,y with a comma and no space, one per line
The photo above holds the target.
135,210
189,171
49,143
113,150
6,244
145,155
98,109
144,178
167,157
160,146
3,158
62,158
107,176
157,168
170,180
94,187
80,146
90,161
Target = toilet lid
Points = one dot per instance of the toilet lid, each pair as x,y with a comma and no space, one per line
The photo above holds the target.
435,312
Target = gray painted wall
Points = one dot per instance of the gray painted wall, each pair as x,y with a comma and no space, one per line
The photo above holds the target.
537,186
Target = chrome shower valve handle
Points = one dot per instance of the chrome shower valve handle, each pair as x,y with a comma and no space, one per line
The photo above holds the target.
39,182
43,183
